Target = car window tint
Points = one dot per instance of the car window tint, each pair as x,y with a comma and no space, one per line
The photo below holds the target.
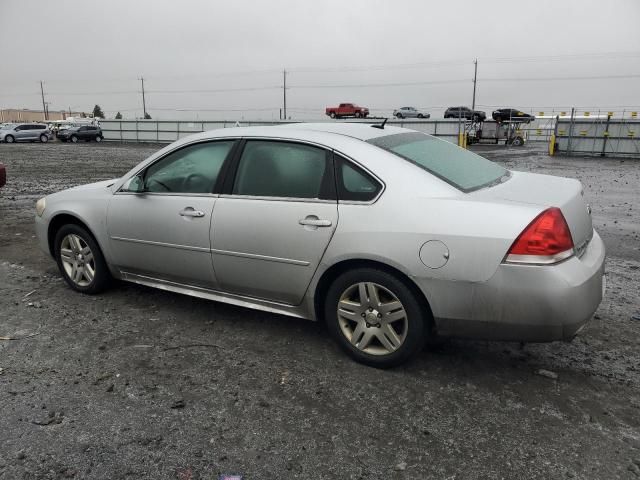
279,169
193,169
459,167
354,184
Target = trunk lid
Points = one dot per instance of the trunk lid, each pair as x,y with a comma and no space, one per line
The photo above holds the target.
547,191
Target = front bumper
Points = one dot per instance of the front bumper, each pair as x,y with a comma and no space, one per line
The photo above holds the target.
42,227
523,302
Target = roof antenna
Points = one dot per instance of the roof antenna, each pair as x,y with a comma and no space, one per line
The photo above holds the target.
381,126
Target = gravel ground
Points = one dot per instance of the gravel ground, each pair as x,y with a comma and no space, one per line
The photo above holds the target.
140,383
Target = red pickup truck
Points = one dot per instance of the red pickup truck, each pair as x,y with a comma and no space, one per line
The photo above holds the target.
347,110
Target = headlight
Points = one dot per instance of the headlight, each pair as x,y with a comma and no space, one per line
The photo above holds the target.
40,206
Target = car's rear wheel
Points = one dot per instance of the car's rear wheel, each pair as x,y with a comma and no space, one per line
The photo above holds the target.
399,115
420,115
74,139
517,142
9,139
80,260
375,317
44,138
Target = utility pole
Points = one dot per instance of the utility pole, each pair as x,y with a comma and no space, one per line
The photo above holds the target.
44,108
144,105
284,92
475,79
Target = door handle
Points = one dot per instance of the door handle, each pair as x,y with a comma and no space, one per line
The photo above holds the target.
190,212
315,222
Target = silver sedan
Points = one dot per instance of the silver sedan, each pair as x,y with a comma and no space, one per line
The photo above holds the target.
388,235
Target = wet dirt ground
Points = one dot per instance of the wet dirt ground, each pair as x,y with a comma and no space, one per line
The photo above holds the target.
139,383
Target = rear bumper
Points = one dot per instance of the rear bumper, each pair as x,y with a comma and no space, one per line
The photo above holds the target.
525,302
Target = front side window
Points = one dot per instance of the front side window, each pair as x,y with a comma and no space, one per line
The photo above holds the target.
459,167
281,169
193,169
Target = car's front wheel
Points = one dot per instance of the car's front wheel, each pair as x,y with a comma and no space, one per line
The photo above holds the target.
375,317
9,139
332,114
98,138
74,139
80,260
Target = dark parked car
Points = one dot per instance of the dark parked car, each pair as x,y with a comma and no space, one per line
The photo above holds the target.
3,175
466,113
512,115
86,133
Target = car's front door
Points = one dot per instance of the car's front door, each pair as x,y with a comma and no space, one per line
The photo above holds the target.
272,226
23,132
159,223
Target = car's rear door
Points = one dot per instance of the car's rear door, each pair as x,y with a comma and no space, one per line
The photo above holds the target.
274,220
163,231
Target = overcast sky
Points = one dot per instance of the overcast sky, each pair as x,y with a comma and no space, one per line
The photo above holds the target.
224,59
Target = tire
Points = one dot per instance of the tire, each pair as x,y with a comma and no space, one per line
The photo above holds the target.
518,142
400,116
44,139
76,244
401,338
358,114
332,114
98,138
9,139
420,115
73,139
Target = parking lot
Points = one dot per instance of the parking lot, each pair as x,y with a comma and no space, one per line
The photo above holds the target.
142,383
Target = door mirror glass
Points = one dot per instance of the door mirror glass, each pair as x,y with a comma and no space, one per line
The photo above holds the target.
134,184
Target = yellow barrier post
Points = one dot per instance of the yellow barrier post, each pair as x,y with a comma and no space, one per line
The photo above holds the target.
552,144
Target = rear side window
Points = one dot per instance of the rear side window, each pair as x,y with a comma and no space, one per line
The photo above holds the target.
354,184
459,167
282,169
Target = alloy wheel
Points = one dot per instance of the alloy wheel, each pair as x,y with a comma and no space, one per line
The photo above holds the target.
372,318
77,260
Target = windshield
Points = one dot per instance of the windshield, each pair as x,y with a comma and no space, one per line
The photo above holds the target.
459,167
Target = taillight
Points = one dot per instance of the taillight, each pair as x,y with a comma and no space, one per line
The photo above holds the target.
546,240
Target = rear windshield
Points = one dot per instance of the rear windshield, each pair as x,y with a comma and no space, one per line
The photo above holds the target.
459,167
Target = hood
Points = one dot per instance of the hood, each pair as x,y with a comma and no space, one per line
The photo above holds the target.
95,186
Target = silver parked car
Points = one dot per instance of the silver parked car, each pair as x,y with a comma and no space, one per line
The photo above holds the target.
25,132
410,112
387,234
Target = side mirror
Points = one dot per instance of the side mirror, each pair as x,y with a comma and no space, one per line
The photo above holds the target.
134,184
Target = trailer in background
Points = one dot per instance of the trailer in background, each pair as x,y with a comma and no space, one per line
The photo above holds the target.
490,131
